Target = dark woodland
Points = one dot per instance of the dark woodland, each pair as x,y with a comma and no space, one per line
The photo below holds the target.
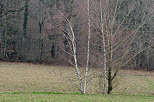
37,31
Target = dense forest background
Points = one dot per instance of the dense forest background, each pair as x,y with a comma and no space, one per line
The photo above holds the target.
37,31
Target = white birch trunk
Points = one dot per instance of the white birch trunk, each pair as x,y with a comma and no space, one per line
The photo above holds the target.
87,65
104,50
75,58
72,38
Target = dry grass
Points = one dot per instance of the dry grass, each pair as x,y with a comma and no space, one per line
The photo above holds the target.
135,82
29,77
22,77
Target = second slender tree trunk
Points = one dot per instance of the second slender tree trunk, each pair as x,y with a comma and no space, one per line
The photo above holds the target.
87,65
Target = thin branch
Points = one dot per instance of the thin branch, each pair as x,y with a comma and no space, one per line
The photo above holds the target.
11,11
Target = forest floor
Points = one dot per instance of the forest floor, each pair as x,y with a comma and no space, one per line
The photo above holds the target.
31,82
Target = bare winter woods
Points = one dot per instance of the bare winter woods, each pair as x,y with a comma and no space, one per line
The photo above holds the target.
109,34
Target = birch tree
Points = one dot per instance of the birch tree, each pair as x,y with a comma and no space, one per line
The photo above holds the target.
118,29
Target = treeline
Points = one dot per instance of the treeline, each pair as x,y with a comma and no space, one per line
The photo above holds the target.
39,31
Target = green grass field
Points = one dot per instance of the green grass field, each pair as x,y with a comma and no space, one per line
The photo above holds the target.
73,97
43,83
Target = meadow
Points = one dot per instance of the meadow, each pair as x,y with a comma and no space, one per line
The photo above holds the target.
43,83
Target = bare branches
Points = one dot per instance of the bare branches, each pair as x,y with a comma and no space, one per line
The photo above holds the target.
3,13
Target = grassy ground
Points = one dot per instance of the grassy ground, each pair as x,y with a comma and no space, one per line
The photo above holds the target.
28,78
63,97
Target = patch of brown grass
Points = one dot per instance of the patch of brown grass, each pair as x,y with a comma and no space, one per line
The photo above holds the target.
29,77
135,82
23,77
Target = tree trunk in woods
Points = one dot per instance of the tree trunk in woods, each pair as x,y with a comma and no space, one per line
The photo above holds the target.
24,37
25,20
